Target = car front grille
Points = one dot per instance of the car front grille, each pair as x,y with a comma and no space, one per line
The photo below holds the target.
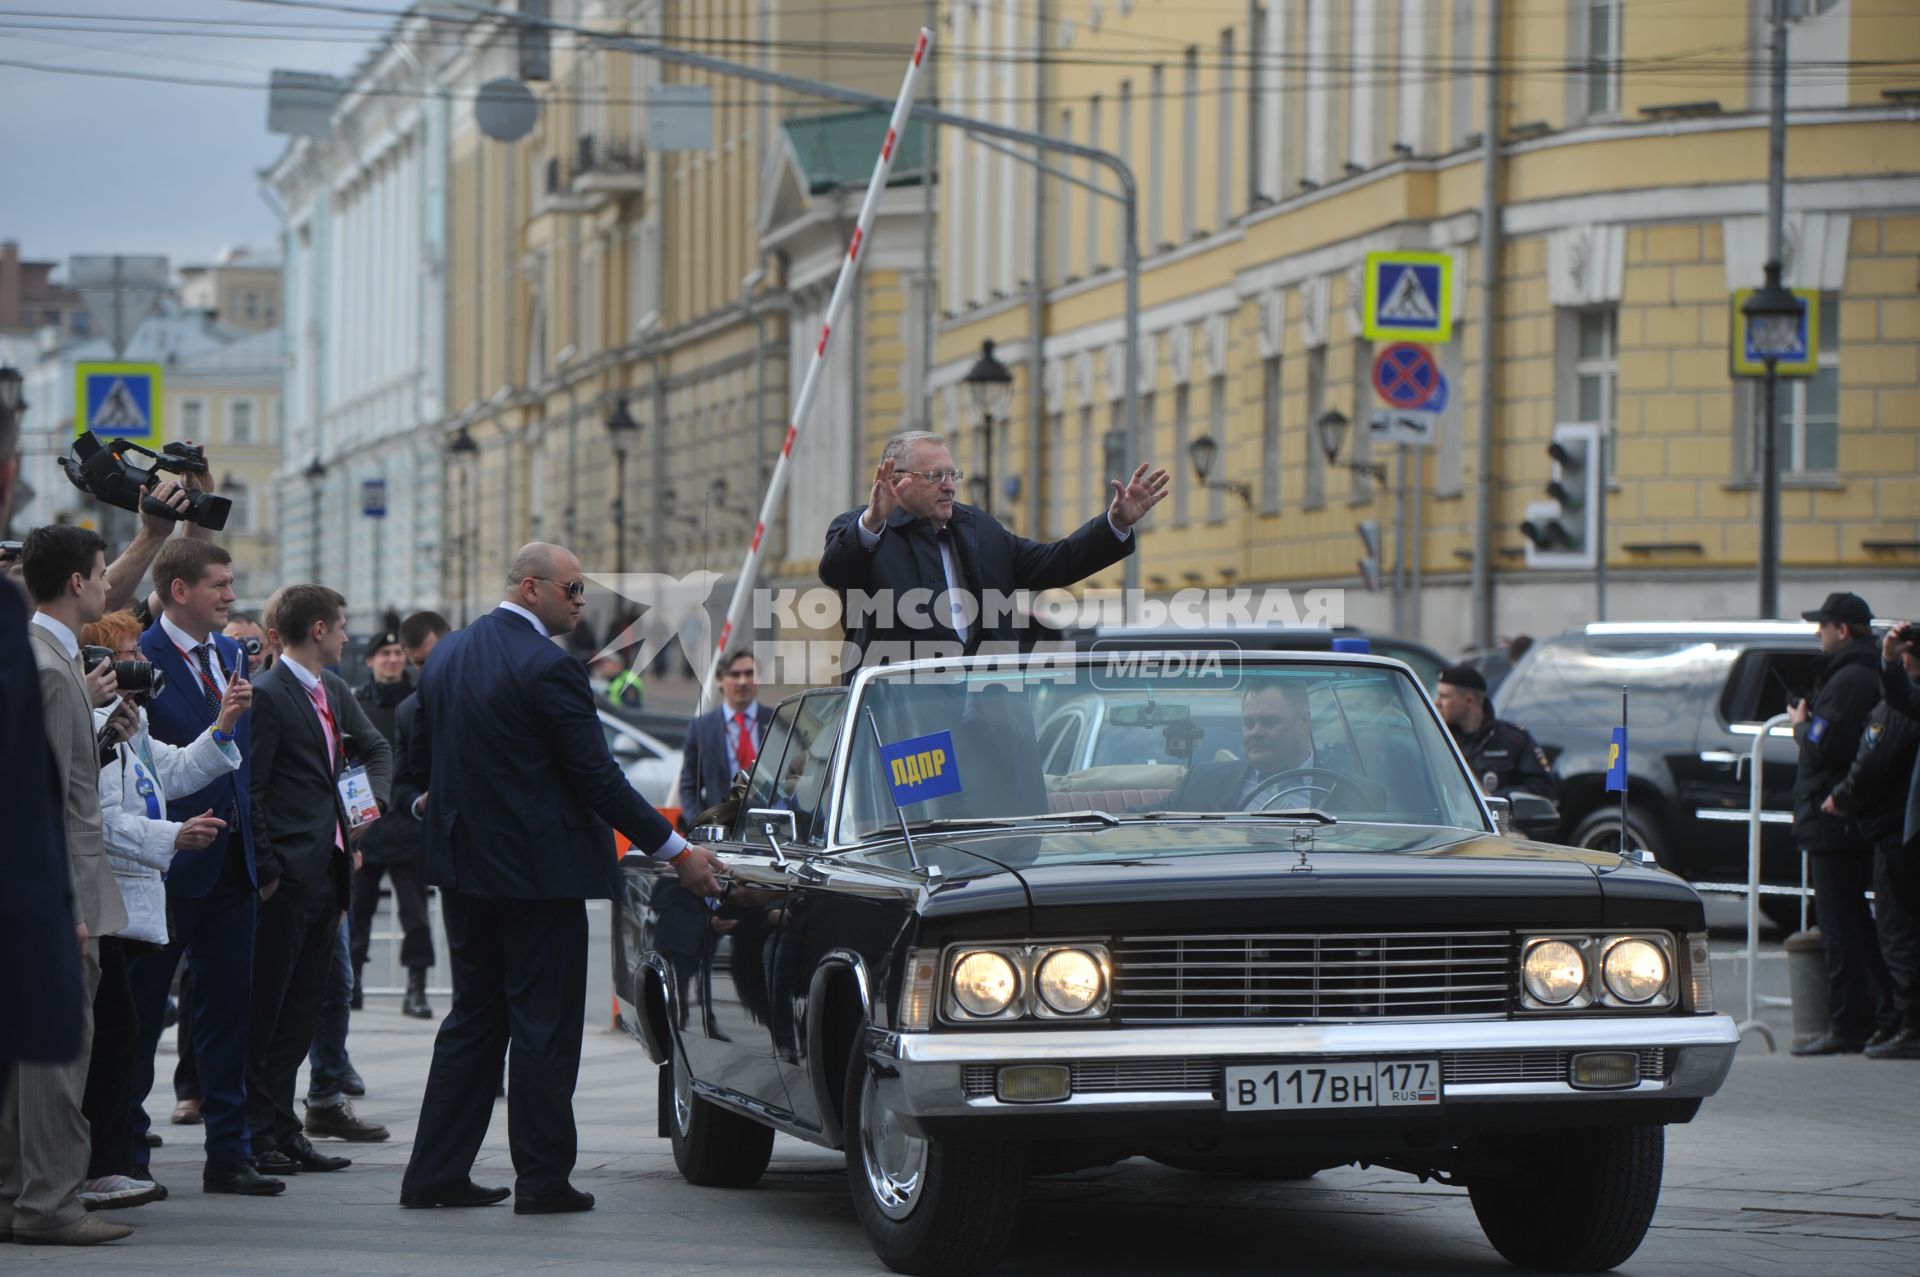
1204,1076
1307,978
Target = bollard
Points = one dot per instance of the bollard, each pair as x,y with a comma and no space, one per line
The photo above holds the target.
1807,982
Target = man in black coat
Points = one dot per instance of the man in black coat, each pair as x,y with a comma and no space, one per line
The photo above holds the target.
1860,1008
1505,758
912,536
522,791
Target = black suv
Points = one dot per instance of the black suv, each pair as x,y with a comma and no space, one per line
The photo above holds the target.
1698,693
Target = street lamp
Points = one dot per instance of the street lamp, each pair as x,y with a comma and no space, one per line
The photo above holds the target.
462,448
316,474
990,386
1333,432
1774,319
623,428
1203,452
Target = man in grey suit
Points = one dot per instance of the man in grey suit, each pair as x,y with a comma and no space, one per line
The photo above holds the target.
309,733
716,747
44,1139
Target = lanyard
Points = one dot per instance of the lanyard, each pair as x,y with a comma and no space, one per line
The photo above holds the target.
200,671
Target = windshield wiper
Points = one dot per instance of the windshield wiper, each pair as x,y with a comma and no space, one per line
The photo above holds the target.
1313,814
1014,822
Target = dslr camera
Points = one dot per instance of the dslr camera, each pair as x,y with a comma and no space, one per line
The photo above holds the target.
107,472
136,678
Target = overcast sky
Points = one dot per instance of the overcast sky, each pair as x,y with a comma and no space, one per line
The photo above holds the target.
92,164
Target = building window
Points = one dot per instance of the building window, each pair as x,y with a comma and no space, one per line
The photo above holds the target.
1123,147
1058,475
1090,466
240,422
1316,492
240,518
1217,427
1603,56
1359,431
1156,156
1270,436
1090,249
1182,469
1807,408
193,419
1223,164
250,306
1067,194
1596,367
1190,145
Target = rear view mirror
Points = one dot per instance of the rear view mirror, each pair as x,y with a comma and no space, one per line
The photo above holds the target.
1150,714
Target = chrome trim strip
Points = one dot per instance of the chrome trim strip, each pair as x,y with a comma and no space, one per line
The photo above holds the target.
1740,817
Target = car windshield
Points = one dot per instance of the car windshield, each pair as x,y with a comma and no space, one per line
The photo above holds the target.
1146,735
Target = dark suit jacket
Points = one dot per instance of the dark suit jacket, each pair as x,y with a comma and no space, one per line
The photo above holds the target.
177,717
45,999
704,777
296,801
989,557
407,783
522,787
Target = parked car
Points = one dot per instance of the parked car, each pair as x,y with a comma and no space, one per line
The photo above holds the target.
1698,692
1424,661
652,766
1020,972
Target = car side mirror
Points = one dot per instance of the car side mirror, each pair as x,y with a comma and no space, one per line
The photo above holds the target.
627,747
1502,816
1535,816
774,824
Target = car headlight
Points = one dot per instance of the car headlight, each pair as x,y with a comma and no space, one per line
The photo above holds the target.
1069,981
984,983
1554,972
1635,970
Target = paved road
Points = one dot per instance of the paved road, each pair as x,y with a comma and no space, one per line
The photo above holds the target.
1798,1167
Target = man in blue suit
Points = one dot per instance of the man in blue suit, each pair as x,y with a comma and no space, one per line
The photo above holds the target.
521,792
725,739
212,892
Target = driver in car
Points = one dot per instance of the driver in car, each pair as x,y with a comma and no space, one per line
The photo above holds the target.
1277,740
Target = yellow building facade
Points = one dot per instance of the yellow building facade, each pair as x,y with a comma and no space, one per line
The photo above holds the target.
1277,145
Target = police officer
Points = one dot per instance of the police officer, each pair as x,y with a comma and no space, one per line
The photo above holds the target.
1504,756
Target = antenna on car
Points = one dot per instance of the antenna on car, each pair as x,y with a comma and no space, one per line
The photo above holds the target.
913,853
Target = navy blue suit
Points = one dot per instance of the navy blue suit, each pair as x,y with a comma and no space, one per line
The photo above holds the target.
46,999
704,774
523,796
212,895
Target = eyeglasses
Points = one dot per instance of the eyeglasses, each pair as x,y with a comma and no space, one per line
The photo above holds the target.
574,589
937,476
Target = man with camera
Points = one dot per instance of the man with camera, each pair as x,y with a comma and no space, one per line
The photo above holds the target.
44,1140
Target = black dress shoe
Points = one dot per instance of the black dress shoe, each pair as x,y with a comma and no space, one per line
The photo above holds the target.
1830,1044
560,1203
243,1178
1882,1036
301,1150
1904,1045
467,1194
353,1084
274,1162
152,1139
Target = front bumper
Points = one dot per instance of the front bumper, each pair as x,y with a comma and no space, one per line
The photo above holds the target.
933,1081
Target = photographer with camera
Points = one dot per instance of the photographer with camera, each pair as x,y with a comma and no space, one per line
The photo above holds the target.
141,843
44,1142
261,647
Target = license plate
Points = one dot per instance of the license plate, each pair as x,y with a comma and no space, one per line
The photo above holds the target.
1332,1084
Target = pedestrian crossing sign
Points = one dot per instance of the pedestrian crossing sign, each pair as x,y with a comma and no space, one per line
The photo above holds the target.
118,401
1409,297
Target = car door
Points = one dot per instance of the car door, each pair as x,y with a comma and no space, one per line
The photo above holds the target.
1761,682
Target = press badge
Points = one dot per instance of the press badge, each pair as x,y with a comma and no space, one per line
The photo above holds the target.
356,797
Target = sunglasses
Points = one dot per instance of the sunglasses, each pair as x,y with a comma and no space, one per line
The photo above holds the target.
574,589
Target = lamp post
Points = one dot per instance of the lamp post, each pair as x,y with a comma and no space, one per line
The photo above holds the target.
1333,432
316,475
990,386
1774,316
1203,452
623,428
462,449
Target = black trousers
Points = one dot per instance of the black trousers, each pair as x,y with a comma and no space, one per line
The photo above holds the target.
1896,914
186,1074
107,1101
1859,990
409,895
519,976
293,947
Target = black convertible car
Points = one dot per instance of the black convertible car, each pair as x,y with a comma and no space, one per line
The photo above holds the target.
963,959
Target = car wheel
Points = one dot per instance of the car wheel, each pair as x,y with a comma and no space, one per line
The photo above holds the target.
934,1208
1571,1201
713,1147
1599,830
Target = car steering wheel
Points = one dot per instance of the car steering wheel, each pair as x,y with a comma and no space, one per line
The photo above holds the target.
1323,783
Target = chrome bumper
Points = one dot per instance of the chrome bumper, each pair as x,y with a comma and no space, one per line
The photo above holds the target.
922,1075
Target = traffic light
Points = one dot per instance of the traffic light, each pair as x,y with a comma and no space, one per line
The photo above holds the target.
1560,530
1370,565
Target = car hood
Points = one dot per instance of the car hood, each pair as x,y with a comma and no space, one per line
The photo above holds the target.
1167,876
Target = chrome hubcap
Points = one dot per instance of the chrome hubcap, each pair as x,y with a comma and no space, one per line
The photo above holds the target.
682,1095
895,1161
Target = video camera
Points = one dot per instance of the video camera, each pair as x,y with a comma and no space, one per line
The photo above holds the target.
103,470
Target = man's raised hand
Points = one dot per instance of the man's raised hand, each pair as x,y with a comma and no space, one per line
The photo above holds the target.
1132,499
885,497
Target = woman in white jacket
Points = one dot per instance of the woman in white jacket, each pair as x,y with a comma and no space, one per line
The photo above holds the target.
140,844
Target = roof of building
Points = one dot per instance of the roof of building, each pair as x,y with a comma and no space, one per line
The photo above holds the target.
839,149
255,352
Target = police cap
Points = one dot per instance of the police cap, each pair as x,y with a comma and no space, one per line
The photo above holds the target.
1464,676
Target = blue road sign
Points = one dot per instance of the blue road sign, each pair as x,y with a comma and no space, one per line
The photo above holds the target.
1442,392
119,401
373,498
1409,297
1404,375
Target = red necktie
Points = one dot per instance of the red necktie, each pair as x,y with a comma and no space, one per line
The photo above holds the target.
743,748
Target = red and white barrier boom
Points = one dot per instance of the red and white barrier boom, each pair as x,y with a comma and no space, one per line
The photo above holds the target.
803,402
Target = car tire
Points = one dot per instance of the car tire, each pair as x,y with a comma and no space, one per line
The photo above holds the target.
932,1208
1571,1201
1599,830
713,1147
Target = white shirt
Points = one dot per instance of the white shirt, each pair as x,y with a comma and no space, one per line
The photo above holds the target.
186,643
539,626
59,630
307,681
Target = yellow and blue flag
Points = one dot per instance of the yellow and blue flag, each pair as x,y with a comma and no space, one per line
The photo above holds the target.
921,768
1617,761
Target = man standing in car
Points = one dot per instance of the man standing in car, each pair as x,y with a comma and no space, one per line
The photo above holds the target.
1504,756
1860,1007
